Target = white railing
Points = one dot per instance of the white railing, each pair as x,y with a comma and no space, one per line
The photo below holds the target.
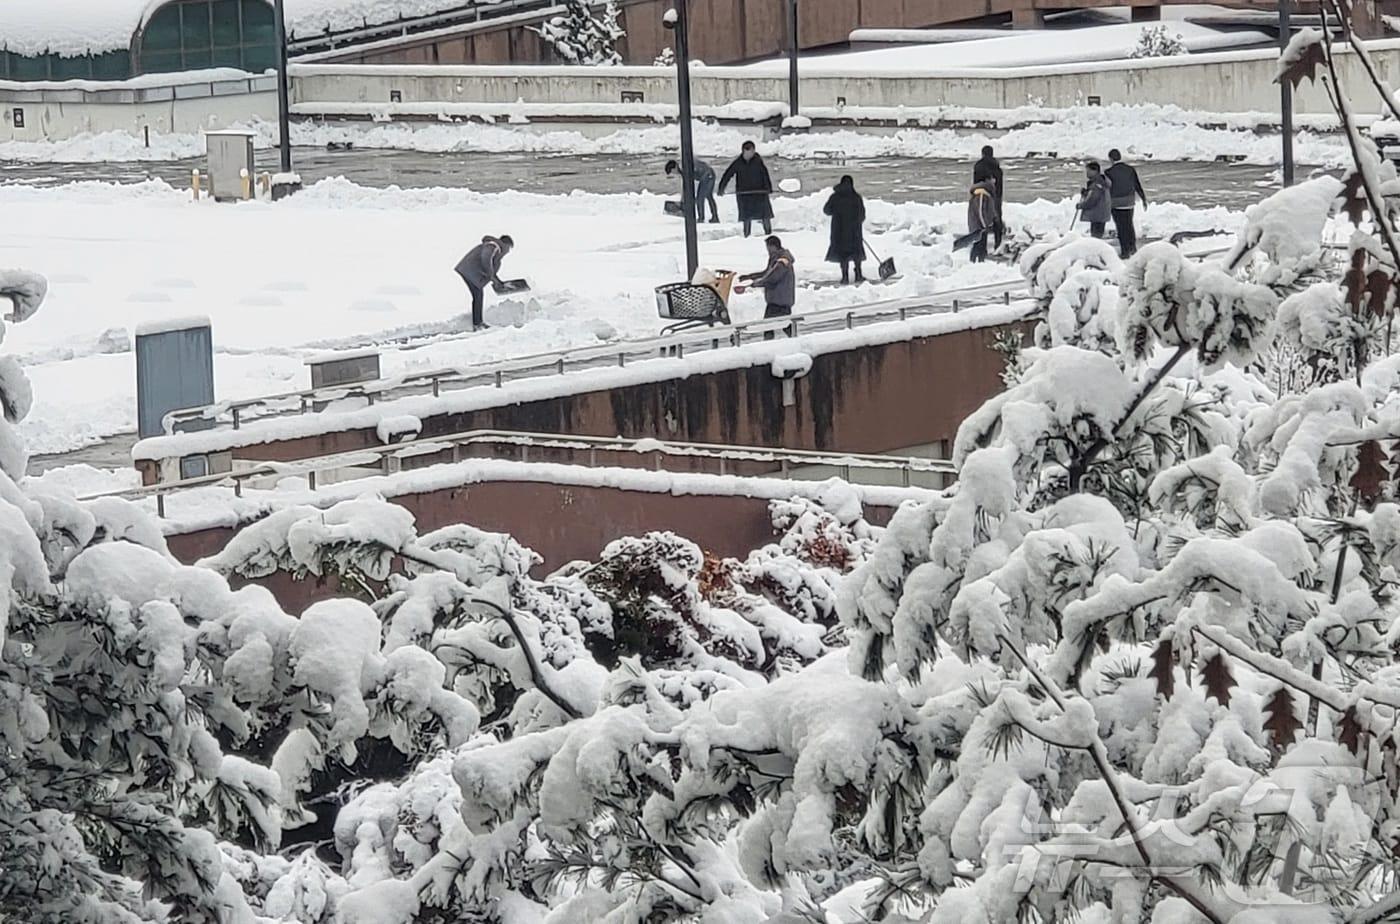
800,464
618,353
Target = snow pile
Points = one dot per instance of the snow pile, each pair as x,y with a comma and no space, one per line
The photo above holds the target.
1142,132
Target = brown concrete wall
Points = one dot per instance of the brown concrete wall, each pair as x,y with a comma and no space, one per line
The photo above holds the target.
721,31
873,399
730,31
561,522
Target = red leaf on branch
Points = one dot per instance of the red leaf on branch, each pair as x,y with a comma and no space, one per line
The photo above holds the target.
1349,731
1217,678
1280,720
1371,475
1163,667
1301,59
1353,197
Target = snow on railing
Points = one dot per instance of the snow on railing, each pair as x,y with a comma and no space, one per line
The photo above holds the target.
795,464
616,354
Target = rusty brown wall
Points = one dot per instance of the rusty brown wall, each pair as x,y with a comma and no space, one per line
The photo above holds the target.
721,31
872,399
561,522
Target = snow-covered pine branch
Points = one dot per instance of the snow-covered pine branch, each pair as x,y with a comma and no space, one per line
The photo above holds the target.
585,33
1157,42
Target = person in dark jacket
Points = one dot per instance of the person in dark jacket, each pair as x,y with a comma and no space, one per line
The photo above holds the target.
1125,188
778,282
752,187
1094,199
481,265
989,168
704,176
982,216
847,211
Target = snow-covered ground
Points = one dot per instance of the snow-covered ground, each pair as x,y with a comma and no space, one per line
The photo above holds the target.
342,265
1141,132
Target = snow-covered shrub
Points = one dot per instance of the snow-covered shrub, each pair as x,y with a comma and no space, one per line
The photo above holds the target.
667,58
1157,42
584,34
111,759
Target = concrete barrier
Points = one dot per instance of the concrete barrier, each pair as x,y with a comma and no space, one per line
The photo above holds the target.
1226,82
163,104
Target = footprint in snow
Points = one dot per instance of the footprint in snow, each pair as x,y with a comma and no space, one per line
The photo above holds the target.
372,304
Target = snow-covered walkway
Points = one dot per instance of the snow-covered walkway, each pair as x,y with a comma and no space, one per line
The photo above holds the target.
342,265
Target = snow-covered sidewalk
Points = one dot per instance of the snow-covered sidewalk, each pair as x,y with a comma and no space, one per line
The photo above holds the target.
342,265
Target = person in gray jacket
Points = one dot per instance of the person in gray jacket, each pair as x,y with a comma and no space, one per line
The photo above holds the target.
481,265
704,176
1095,200
778,282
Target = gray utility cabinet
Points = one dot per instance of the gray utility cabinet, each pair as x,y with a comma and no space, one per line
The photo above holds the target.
174,370
230,154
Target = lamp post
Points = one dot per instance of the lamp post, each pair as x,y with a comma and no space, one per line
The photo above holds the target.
675,20
792,56
283,104
1285,35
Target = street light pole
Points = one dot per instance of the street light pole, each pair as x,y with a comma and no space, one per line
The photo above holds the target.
283,103
792,56
675,19
1285,34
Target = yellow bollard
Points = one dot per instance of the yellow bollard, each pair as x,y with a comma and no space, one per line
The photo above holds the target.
265,181
194,183
247,183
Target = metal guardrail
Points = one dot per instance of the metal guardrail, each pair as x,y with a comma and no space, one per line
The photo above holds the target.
617,354
467,13
388,460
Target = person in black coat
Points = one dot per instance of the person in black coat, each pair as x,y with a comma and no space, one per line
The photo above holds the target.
752,187
847,211
989,168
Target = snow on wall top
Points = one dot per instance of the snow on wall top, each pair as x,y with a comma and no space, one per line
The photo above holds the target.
79,27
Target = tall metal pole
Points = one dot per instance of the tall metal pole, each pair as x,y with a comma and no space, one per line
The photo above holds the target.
1285,34
692,237
283,103
792,56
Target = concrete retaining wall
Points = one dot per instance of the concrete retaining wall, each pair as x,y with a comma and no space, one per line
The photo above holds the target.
876,398
56,113
1237,81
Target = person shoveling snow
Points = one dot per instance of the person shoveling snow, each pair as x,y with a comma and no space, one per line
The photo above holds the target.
481,265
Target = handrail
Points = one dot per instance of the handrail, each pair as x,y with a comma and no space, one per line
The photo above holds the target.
390,457
292,403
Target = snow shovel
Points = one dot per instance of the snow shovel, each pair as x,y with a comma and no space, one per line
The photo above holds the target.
886,268
672,207
967,240
1075,220
510,286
